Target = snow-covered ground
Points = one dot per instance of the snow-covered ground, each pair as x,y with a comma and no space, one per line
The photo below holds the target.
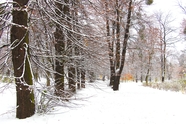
132,104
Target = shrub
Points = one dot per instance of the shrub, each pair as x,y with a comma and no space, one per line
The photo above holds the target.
172,86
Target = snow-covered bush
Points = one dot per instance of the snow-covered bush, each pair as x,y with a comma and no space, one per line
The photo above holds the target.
172,86
47,101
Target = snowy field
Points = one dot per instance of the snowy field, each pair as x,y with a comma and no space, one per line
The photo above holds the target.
132,104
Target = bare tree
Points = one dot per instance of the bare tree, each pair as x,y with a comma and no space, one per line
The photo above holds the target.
167,38
117,47
183,7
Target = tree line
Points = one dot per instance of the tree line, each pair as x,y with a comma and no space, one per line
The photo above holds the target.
68,42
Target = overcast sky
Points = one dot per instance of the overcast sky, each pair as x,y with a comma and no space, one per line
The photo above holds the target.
168,6
2,1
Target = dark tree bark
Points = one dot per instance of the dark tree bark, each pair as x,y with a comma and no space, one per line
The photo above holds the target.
164,62
82,78
147,77
126,36
78,78
71,17
112,72
71,79
118,47
116,82
117,50
163,52
111,56
59,62
20,59
60,49
117,61
78,63
149,67
120,62
110,46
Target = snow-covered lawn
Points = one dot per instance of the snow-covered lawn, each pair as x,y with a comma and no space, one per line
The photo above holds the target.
132,104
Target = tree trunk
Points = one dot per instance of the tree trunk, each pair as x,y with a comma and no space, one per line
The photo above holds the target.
71,17
112,78
117,52
21,64
78,78
82,78
118,47
116,83
124,48
164,65
117,62
110,46
48,78
71,79
59,64
147,77
136,77
92,76
59,48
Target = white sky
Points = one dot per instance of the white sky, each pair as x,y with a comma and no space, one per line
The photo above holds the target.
170,6
1,1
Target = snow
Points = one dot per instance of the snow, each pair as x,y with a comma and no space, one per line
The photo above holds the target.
99,104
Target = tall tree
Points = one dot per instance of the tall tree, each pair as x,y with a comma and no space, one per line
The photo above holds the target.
110,44
124,46
61,10
71,38
166,39
151,41
117,50
21,61
118,24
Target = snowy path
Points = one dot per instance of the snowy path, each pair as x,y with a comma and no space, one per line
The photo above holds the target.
132,104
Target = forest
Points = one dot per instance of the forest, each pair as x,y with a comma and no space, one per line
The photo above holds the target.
72,43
